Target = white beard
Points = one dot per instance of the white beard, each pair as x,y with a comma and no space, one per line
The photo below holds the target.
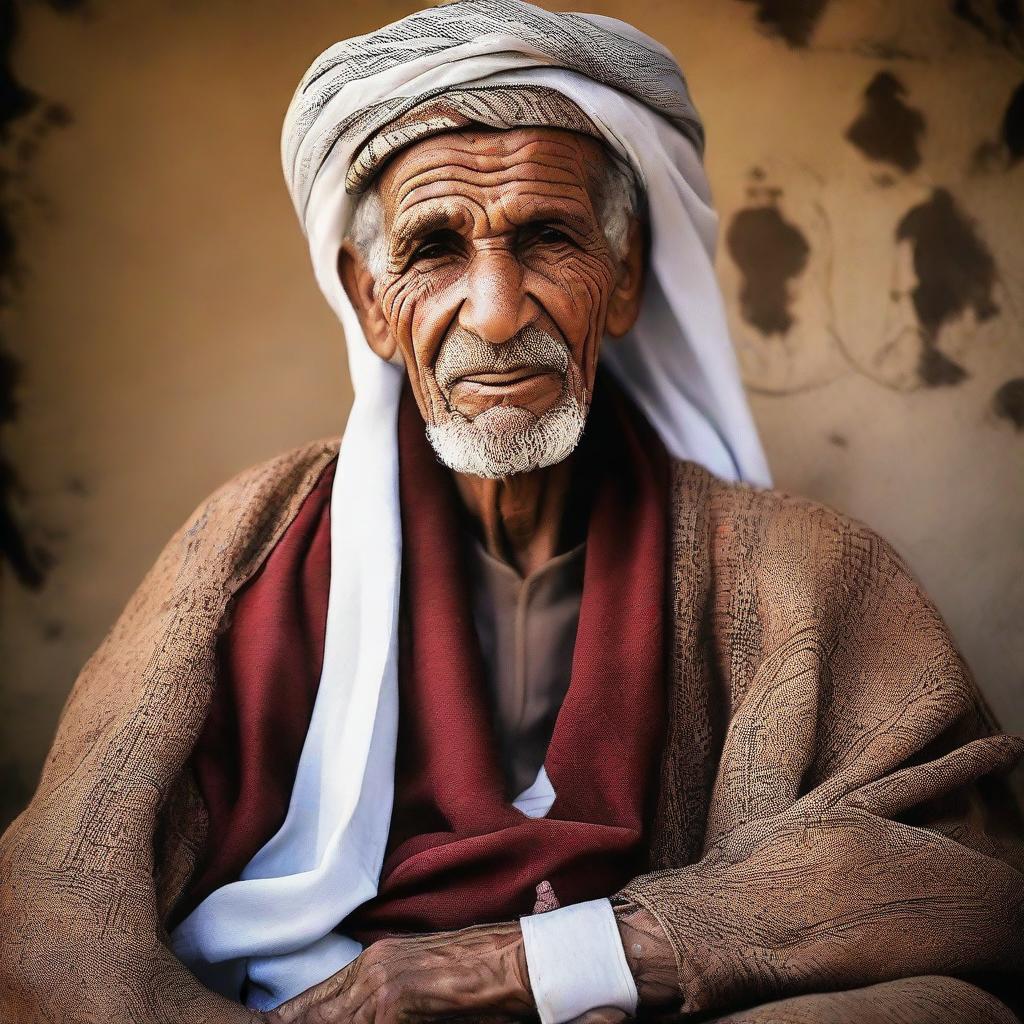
506,440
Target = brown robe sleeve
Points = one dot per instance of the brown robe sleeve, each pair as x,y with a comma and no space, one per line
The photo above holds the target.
858,830
81,938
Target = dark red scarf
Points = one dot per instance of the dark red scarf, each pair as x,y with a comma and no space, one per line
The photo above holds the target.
458,852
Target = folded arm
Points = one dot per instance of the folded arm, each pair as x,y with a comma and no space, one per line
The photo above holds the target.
824,898
859,826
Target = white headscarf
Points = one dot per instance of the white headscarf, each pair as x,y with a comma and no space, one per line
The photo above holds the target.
275,925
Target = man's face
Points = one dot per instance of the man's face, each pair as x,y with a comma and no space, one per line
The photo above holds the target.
496,291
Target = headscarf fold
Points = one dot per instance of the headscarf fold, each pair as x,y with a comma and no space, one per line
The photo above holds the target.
355,106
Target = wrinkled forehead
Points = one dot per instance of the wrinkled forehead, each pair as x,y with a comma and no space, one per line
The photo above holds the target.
520,168
493,125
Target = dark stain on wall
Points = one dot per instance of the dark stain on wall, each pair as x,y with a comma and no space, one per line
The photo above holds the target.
1008,402
887,130
792,20
999,21
1006,149
15,99
955,273
1013,125
19,107
28,563
769,252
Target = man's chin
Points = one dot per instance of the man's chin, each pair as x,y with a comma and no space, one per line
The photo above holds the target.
507,440
508,423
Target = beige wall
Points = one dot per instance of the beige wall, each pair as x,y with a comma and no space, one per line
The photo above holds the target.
170,333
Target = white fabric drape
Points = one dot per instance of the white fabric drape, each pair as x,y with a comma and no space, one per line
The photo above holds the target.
275,925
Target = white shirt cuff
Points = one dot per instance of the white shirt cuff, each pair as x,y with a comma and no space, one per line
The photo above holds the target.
576,962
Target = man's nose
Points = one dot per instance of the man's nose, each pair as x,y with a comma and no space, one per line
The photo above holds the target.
496,305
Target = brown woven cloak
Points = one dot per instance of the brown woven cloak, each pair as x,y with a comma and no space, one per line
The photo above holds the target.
834,838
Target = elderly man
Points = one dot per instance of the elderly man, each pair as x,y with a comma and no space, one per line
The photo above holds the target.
522,701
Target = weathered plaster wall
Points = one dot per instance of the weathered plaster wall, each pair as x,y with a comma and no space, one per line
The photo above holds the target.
160,328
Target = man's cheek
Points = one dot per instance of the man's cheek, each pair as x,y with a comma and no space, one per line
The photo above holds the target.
432,313
397,305
574,293
400,301
418,317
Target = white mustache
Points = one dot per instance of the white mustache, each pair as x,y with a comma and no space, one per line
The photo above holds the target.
464,354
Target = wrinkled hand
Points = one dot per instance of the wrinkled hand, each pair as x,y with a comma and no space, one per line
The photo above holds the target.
649,956
478,971
474,971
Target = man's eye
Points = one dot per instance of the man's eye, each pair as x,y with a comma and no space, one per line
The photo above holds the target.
429,251
548,235
432,248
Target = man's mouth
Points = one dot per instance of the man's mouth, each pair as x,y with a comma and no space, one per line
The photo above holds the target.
535,388
504,379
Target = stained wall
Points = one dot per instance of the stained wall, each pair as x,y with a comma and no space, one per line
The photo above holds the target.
160,328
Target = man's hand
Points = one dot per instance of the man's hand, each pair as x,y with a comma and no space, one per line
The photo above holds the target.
479,970
475,971
649,955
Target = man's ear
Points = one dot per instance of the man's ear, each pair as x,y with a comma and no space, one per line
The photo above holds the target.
627,294
359,286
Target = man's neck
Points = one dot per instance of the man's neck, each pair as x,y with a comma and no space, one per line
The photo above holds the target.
520,517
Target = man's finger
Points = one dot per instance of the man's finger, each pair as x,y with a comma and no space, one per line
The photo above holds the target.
297,1009
601,1015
